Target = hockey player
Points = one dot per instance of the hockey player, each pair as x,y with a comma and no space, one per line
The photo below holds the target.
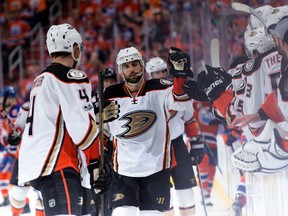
208,126
9,109
141,136
60,134
110,77
182,173
275,106
18,193
261,71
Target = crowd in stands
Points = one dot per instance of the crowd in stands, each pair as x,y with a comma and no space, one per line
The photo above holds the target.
109,25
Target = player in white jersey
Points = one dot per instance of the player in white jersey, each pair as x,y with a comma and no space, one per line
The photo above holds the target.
275,106
182,173
141,136
18,193
60,134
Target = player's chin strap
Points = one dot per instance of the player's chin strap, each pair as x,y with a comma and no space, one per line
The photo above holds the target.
138,75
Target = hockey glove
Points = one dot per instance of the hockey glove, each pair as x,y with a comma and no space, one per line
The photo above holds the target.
101,181
180,63
111,111
191,88
14,138
197,150
214,82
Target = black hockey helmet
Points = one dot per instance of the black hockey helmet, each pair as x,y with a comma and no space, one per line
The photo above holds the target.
109,73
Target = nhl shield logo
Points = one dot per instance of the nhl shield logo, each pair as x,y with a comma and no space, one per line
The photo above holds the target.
52,203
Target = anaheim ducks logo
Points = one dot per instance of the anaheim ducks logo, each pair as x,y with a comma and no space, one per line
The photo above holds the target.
275,11
138,122
253,33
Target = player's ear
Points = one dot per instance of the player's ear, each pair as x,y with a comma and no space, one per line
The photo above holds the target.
76,51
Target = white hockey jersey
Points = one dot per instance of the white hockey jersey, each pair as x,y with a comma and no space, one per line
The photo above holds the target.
141,136
22,116
60,120
177,121
259,78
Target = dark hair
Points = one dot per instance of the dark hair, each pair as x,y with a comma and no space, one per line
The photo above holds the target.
57,54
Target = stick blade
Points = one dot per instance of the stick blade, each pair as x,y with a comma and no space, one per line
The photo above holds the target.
215,53
240,7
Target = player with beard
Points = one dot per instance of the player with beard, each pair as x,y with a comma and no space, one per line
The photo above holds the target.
182,173
141,137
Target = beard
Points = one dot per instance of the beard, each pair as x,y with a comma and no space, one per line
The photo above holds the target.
133,78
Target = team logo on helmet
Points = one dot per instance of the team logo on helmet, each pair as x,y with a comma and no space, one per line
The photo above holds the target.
138,122
275,11
76,74
253,33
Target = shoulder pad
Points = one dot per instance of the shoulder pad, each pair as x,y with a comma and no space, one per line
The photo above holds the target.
157,84
25,106
67,74
251,66
238,61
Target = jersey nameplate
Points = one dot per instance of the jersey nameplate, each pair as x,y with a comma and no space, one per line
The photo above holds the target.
76,74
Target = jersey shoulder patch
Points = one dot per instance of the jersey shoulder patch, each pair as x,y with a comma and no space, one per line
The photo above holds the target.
157,84
115,91
76,74
251,66
67,74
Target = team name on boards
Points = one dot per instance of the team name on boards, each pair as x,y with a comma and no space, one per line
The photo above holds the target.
38,82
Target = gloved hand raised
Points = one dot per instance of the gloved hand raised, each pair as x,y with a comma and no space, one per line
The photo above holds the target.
101,180
213,82
180,63
197,150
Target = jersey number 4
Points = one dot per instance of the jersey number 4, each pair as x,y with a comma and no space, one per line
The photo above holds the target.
30,117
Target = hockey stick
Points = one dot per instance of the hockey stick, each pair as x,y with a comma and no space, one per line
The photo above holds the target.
101,132
101,118
210,152
215,53
245,8
201,189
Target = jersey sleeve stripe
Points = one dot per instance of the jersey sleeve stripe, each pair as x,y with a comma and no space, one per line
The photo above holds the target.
167,150
115,155
91,135
54,152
